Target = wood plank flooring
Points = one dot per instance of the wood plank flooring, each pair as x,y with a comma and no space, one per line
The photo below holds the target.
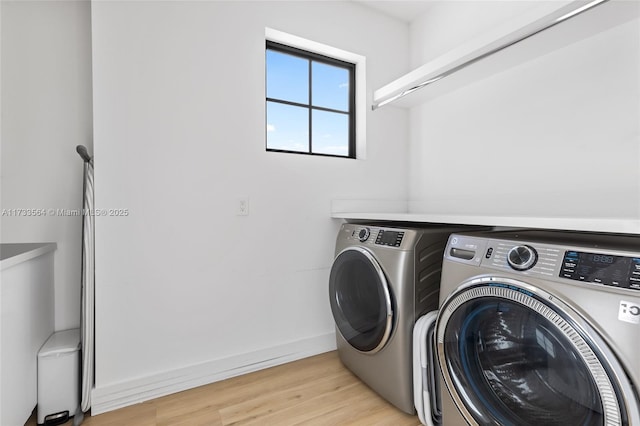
313,391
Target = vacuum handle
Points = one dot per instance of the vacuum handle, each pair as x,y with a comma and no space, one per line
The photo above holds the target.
82,150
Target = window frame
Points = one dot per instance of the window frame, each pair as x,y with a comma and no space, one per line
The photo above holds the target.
312,57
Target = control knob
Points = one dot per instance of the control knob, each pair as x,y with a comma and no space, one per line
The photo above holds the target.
363,235
522,258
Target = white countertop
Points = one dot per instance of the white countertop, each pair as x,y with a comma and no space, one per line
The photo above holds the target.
617,226
13,253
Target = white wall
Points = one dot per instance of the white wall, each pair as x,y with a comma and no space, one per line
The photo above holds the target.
445,25
556,136
46,112
179,135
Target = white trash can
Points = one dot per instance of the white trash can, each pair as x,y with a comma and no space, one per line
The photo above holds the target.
59,377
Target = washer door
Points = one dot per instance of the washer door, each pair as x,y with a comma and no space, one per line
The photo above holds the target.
511,356
360,300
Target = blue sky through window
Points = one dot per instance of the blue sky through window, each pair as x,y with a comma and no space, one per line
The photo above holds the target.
330,86
287,127
287,77
287,80
330,134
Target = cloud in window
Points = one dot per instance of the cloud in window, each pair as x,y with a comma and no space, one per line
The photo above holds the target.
293,146
271,128
334,150
343,85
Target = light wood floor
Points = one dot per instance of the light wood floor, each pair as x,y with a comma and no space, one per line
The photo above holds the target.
313,391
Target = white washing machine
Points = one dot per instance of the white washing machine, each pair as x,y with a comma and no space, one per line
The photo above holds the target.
540,328
382,279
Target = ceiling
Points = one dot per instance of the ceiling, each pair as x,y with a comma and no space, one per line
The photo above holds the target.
405,10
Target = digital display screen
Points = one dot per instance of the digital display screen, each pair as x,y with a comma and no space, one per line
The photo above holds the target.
616,271
389,238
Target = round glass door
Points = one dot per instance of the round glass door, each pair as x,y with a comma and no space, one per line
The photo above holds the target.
513,360
360,300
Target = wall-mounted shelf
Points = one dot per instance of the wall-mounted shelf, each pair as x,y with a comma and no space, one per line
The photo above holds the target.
547,27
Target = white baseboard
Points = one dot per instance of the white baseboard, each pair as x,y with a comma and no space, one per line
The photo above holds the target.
123,394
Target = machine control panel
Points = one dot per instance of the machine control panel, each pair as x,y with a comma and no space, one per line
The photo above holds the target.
529,259
389,238
615,271
580,258
368,235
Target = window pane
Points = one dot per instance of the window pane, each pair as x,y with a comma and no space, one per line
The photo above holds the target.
287,127
330,133
330,86
287,77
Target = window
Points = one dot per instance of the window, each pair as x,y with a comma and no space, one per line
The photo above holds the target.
310,102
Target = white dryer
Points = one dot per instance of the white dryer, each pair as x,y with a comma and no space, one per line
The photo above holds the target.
540,328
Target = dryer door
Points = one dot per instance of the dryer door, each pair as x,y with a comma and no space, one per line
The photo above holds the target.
361,300
512,354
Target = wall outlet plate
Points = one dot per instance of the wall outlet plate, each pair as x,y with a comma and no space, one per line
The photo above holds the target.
242,206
